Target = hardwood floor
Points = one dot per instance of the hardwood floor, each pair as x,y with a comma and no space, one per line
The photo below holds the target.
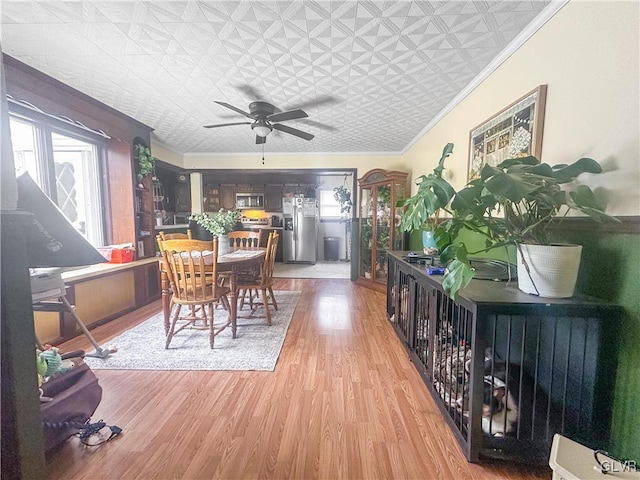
344,402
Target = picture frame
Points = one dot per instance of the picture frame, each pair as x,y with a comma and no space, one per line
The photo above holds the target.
515,131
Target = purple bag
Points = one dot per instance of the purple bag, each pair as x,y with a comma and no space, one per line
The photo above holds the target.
76,394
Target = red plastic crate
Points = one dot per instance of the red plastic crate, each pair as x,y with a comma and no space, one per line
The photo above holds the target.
117,255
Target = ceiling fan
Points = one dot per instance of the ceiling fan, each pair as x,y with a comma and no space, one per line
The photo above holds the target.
265,120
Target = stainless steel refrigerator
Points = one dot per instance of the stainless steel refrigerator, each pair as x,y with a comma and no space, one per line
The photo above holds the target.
300,232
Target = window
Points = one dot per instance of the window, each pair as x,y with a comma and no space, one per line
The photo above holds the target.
329,206
66,166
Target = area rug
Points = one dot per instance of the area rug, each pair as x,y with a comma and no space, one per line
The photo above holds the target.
256,346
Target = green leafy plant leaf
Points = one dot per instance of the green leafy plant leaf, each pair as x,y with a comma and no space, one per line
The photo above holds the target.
434,193
565,174
146,161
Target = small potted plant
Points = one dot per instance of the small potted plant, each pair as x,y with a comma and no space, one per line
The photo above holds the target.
514,203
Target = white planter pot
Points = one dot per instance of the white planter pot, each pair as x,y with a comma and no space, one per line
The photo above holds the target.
223,245
553,269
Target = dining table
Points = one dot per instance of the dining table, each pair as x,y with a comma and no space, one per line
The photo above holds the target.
232,264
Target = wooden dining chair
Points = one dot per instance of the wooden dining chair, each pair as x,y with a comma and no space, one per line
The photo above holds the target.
243,239
174,236
187,271
248,287
186,244
179,244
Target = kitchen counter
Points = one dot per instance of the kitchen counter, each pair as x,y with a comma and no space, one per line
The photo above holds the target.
171,227
260,227
186,225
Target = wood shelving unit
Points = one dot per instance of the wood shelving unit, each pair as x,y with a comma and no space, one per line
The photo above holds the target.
144,215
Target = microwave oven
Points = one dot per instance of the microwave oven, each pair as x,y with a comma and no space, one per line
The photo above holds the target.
245,201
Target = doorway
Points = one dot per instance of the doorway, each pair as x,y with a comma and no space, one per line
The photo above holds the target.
318,183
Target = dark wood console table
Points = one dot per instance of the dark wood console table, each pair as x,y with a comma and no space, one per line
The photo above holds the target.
561,352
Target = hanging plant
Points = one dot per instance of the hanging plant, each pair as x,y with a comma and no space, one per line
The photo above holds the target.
342,195
146,161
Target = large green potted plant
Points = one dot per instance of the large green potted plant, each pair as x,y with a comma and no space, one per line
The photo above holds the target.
514,203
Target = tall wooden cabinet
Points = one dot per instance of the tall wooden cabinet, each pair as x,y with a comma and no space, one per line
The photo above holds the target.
228,197
379,190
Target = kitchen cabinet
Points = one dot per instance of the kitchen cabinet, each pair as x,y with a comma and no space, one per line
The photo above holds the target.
174,188
273,198
228,197
304,189
247,188
379,190
182,193
218,196
211,198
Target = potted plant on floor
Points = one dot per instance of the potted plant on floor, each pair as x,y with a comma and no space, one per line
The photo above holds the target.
205,226
514,203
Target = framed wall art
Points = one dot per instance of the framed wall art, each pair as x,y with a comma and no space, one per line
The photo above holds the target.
515,131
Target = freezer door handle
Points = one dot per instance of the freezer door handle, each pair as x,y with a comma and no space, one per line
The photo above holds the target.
295,224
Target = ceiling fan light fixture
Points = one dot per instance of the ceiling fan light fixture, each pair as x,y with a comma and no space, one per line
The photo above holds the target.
261,127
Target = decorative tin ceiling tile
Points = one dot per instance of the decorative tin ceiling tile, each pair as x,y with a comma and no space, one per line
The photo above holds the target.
370,74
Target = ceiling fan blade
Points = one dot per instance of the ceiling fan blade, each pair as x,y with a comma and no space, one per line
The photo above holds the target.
293,131
227,124
235,109
320,100
290,115
260,140
313,123
249,92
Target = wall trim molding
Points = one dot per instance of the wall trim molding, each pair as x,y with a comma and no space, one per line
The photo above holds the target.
628,225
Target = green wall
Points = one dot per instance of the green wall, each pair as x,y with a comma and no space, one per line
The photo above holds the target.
474,243
610,270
